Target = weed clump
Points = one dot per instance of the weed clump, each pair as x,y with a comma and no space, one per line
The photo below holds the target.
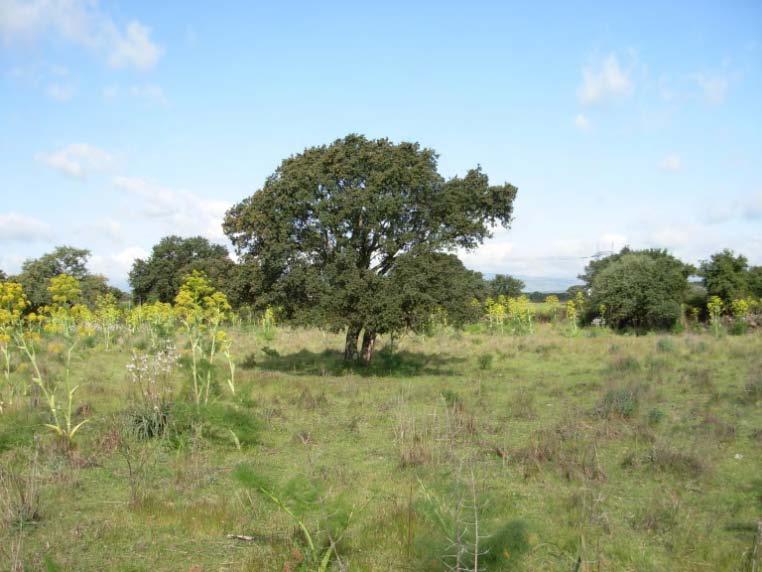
665,345
19,494
522,405
618,403
485,361
667,460
753,390
655,416
625,364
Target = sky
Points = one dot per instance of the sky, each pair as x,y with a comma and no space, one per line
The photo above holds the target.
620,123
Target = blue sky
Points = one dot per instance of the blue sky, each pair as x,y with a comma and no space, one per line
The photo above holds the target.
634,124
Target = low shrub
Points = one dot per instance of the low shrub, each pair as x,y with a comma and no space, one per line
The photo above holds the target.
618,403
665,345
625,364
485,361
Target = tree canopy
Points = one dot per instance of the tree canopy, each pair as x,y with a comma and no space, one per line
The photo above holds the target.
159,277
640,291
596,266
504,285
36,273
726,275
332,221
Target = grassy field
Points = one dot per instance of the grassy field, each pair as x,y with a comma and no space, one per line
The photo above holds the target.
545,452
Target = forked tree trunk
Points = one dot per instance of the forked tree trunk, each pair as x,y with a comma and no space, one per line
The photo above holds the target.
350,345
368,345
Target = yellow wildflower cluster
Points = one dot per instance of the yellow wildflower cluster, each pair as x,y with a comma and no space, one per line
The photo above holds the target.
514,314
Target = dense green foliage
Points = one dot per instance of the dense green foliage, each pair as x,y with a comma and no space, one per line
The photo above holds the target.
158,278
503,285
726,275
639,291
331,224
36,273
755,281
597,265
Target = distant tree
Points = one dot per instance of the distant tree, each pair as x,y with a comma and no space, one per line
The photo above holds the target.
640,291
3,275
726,275
755,281
332,222
36,273
160,276
597,265
504,285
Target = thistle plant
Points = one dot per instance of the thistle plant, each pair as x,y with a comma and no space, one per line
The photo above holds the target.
71,321
201,309
580,301
520,314
159,318
571,316
715,307
226,345
553,305
12,306
298,499
107,317
267,323
496,313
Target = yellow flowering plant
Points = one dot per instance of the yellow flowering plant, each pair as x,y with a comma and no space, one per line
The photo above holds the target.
13,302
72,321
107,317
201,309
553,305
715,307
571,316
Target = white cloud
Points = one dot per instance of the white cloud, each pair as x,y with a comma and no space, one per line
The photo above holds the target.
149,91
146,91
489,257
134,48
117,265
671,162
581,122
60,91
109,228
76,159
714,87
183,212
604,81
14,226
748,208
611,242
83,23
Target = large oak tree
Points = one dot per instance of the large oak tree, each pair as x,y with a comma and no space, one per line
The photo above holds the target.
329,226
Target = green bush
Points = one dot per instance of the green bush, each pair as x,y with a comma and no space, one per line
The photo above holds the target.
485,361
621,403
665,345
640,291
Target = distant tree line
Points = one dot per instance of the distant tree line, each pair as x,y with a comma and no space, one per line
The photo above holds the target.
359,236
651,289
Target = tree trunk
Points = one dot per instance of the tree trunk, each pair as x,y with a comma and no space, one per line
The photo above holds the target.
368,345
350,345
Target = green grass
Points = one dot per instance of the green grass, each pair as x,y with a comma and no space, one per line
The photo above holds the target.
620,452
